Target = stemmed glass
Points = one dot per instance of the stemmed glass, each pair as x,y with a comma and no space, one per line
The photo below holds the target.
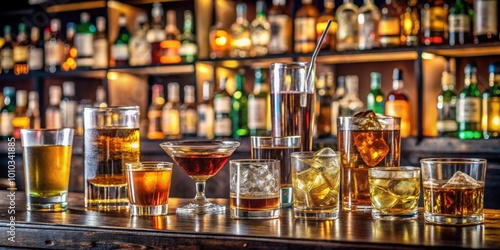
200,160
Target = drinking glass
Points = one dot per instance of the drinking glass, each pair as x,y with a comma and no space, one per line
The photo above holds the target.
453,190
47,163
148,187
292,101
394,192
316,184
280,148
200,160
364,142
111,138
254,188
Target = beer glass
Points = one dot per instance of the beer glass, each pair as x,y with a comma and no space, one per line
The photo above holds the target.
111,138
292,101
47,162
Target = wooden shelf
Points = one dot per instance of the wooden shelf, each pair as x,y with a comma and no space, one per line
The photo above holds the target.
183,68
469,50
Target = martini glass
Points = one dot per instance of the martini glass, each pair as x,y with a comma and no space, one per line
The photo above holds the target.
200,160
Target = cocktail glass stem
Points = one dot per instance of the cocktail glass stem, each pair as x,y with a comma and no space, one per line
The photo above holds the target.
200,197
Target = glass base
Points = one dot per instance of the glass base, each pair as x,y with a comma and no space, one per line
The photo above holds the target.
253,214
138,210
394,217
47,204
454,220
309,214
286,197
201,208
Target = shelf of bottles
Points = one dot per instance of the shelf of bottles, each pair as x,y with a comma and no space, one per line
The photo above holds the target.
144,38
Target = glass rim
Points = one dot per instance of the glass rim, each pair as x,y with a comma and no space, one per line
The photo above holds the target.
290,64
395,169
139,165
311,153
200,144
377,117
108,108
449,160
45,129
248,160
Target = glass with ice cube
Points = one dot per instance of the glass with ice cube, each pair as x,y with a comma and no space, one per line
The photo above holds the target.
394,192
453,190
316,184
365,140
254,188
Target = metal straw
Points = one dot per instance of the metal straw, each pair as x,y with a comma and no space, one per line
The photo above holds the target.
303,96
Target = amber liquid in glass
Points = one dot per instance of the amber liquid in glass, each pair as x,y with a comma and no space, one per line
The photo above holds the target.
454,201
201,167
251,203
149,187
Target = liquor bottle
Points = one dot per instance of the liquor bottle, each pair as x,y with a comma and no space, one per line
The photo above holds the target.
491,103
390,24
119,49
222,109
459,24
84,41
171,45
53,114
100,44
70,50
218,37
189,113
331,36
33,111
84,103
20,119
156,33
154,113
100,97
258,102
305,27
410,24
240,43
397,103
281,28
239,108
469,106
339,94
35,50
446,106
139,47
347,34
434,22
171,125
54,47
368,26
485,21
7,112
189,48
68,105
206,112
350,104
20,51
375,100
260,30
7,60
324,98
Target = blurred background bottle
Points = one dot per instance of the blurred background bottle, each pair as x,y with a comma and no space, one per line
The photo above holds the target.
434,22
100,44
171,124
459,22
469,106
188,113
375,100
189,49
206,112
222,109
240,42
20,51
7,59
70,50
119,49
369,25
485,21
258,102
53,116
281,28
339,94
20,119
7,112
398,104
330,37
305,27
68,105
446,106
154,112
324,96
239,108
171,45
491,103
410,24
156,33
35,50
260,31
390,23
347,34
350,104
84,41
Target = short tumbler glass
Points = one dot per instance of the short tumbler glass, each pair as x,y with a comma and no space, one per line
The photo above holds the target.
453,190
394,192
148,187
254,188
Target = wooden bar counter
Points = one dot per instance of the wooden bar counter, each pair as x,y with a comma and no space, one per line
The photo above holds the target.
78,228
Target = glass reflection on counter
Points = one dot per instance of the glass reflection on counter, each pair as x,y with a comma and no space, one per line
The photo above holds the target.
471,236
406,231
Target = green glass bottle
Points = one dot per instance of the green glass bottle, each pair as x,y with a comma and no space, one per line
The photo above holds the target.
446,107
491,104
258,102
7,113
119,49
239,108
469,106
189,48
84,42
375,99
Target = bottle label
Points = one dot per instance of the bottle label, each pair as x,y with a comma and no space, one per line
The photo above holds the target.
170,122
53,119
205,120
20,54
140,52
446,118
120,51
367,32
469,109
485,17
439,16
100,53
389,27
459,23
7,60
305,34
54,53
84,44
189,121
335,114
222,127
257,113
279,34
188,49
400,108
35,59
492,111
222,105
6,127
446,126
68,113
347,26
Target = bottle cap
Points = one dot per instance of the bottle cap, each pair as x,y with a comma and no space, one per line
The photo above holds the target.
447,78
470,68
397,74
494,68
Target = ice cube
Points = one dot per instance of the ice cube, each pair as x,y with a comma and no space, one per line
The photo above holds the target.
402,187
319,190
330,199
366,120
382,198
461,179
307,178
371,146
431,183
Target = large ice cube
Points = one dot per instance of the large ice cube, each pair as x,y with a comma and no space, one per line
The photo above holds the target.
403,187
366,120
461,179
382,198
371,146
